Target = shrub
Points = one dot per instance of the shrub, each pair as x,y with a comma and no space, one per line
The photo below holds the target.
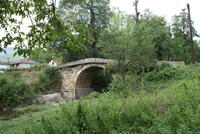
50,80
14,92
167,72
128,84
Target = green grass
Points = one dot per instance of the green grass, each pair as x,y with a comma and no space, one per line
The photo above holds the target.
160,85
26,118
175,110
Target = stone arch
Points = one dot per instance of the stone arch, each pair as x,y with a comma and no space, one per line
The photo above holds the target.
84,78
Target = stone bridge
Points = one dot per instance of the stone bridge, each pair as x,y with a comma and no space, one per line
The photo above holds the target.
78,75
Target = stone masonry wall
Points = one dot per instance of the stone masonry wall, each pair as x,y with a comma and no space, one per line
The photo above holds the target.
77,80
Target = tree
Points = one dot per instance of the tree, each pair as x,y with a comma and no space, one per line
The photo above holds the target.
180,38
140,44
46,25
149,43
157,30
93,14
42,56
191,35
114,42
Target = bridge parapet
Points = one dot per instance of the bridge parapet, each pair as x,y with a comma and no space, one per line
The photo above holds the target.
87,61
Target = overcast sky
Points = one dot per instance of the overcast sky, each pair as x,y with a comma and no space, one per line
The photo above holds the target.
166,8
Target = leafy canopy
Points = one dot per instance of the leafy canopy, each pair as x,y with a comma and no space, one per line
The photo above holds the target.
46,26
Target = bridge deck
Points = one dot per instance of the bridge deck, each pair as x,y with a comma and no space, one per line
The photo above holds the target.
87,61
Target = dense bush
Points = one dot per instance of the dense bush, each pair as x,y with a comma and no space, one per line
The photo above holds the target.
49,80
129,84
167,72
14,92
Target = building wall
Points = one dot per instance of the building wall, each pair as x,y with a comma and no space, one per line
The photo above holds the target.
4,66
52,63
25,65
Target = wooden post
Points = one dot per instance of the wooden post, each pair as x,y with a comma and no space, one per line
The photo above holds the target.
191,35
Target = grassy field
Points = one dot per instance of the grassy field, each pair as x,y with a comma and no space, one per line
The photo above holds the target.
26,117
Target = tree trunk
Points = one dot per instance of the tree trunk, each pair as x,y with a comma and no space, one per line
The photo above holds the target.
137,14
191,35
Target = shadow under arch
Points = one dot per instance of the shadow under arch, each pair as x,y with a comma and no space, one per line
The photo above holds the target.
83,80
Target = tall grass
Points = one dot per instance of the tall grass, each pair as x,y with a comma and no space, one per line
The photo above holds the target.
175,110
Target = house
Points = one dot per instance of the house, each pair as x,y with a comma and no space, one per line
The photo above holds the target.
53,63
4,65
24,63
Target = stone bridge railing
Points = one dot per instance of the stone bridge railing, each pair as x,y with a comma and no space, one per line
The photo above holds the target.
87,61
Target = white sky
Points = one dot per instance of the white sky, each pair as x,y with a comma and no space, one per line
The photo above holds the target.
166,8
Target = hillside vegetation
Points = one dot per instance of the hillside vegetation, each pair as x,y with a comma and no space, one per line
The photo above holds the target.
166,102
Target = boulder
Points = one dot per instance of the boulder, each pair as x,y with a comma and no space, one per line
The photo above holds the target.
52,99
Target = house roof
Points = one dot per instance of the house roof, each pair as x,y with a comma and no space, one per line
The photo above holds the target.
25,61
3,63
